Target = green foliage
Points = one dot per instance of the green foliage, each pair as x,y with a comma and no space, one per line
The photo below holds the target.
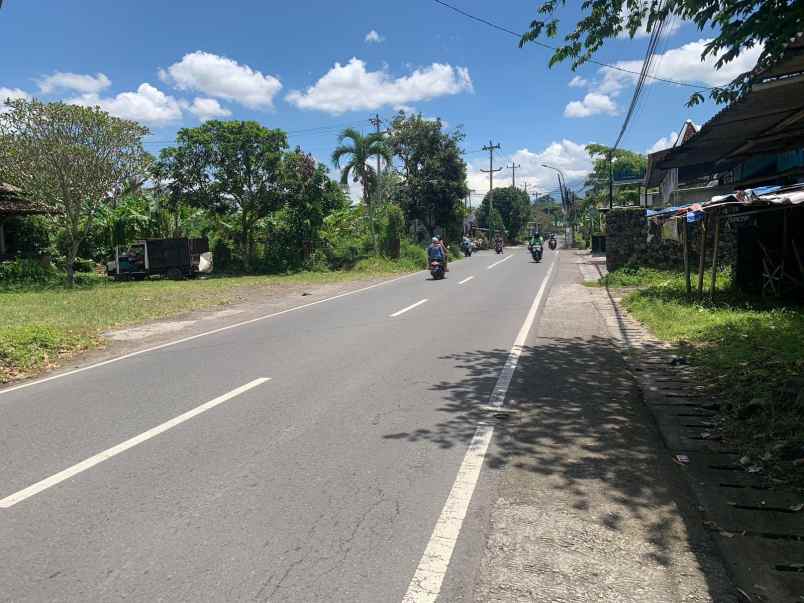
512,210
434,173
230,167
69,157
27,274
357,151
738,26
28,236
626,165
26,347
749,351
393,230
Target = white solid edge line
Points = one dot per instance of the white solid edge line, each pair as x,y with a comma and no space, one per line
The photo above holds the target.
198,335
497,397
505,259
48,482
410,307
466,280
425,586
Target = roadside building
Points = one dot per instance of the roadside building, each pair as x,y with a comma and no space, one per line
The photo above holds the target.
14,208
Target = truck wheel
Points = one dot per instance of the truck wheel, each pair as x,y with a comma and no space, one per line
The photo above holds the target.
175,274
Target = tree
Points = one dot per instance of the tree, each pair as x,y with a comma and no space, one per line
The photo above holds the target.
625,165
308,198
769,24
230,167
358,150
73,158
434,172
514,209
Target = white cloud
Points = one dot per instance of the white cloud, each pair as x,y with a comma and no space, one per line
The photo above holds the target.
665,142
592,104
11,94
681,64
671,27
373,37
84,84
568,156
578,82
220,77
148,105
207,108
351,88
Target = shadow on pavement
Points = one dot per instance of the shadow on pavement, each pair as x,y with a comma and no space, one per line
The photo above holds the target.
583,433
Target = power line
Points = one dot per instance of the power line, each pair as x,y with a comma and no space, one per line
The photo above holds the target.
644,73
551,47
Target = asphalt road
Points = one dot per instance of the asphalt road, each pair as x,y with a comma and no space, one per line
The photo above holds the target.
323,483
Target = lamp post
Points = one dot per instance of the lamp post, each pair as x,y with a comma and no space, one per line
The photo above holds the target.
565,201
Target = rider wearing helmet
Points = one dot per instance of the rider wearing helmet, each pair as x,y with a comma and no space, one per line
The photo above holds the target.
436,251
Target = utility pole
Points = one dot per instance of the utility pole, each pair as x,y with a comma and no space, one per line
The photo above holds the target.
513,167
491,147
375,121
611,182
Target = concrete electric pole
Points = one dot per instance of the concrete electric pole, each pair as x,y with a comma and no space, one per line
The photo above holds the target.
491,147
513,167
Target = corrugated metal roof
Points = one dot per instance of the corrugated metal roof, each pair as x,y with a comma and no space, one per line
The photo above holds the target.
768,119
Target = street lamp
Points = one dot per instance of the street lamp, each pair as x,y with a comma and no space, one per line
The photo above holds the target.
565,200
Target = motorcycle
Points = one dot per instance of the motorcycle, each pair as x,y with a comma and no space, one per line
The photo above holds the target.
467,250
437,270
498,247
552,243
536,251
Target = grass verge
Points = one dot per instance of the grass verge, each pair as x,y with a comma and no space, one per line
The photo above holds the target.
41,326
751,353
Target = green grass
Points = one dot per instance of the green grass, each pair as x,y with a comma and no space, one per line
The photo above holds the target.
751,353
43,324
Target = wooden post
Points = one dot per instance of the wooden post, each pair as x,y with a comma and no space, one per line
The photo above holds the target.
716,218
2,239
685,235
701,256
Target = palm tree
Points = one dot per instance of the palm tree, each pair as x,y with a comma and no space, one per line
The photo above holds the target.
360,149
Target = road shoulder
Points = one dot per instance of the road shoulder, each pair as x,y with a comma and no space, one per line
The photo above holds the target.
589,506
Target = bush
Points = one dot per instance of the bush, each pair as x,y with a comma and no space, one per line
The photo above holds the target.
27,272
412,256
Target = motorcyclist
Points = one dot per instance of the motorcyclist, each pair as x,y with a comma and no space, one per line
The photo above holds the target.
498,242
537,239
446,253
435,252
466,244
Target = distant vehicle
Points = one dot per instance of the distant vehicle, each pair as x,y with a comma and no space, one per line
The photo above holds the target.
498,246
552,243
171,258
437,270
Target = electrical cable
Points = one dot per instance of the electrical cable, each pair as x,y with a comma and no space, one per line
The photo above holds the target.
551,47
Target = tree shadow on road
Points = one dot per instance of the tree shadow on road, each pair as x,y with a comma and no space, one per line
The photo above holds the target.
581,427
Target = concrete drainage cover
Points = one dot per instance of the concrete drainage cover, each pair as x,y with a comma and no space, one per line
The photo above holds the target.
141,332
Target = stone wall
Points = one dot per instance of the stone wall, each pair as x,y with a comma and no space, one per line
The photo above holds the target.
634,241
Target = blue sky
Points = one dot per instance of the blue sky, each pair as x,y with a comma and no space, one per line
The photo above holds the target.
172,64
